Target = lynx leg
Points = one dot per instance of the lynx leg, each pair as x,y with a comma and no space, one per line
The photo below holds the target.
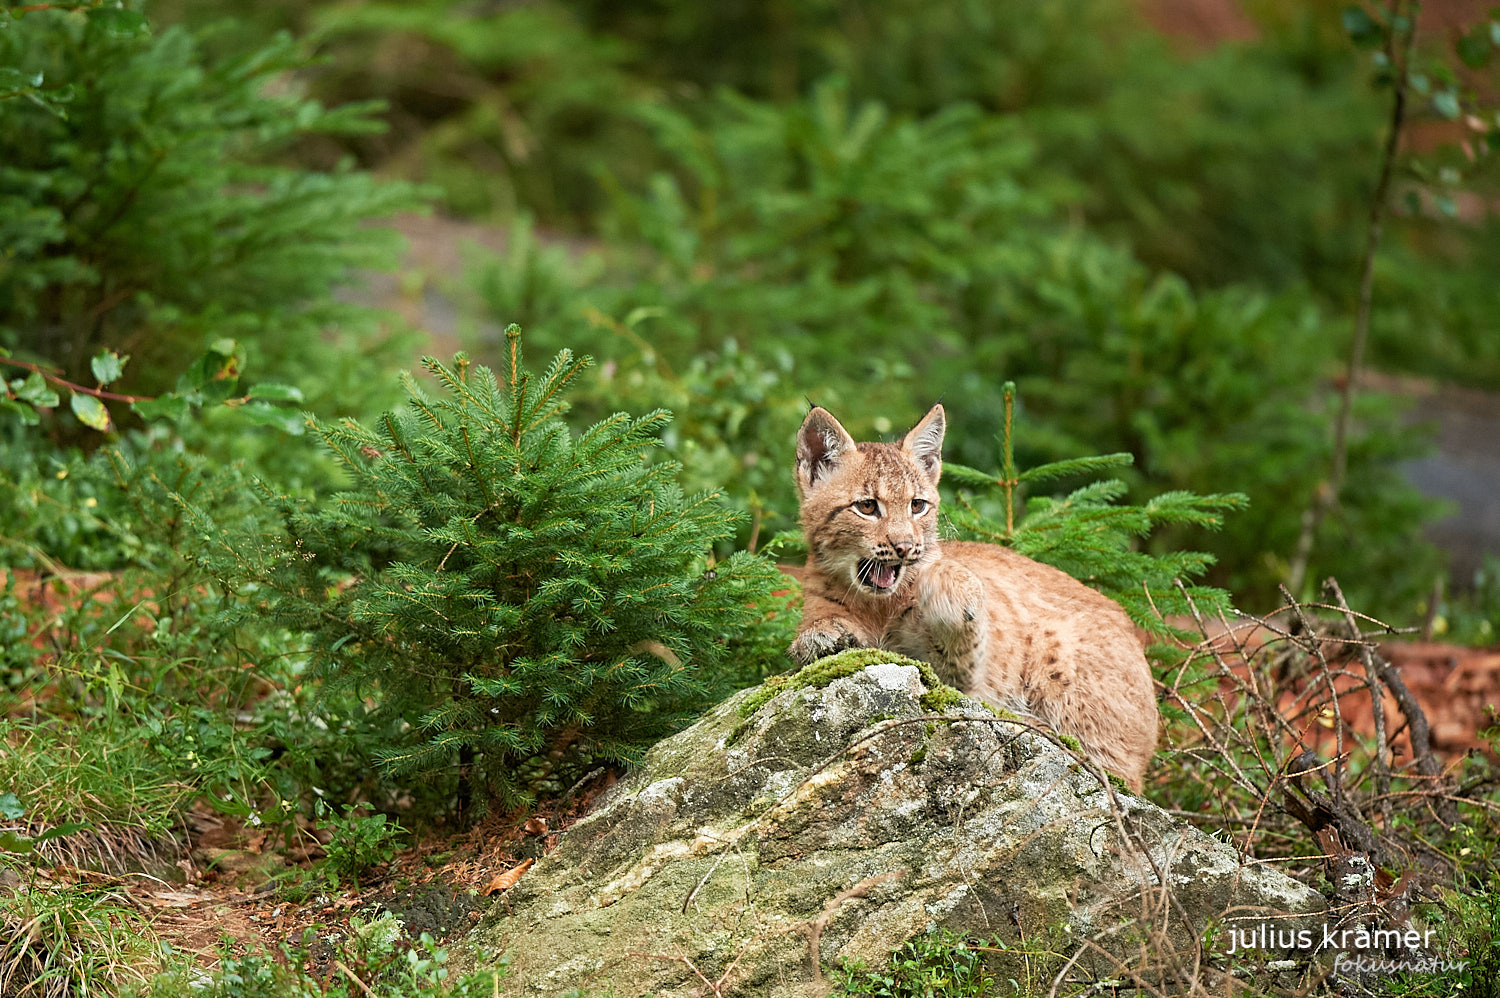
947,626
821,639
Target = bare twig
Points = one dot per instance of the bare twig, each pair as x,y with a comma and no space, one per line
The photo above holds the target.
816,926
1381,763
355,978
56,379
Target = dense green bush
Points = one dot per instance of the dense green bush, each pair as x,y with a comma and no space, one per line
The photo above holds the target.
512,590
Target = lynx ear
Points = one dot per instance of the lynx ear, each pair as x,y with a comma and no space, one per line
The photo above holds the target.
925,442
821,445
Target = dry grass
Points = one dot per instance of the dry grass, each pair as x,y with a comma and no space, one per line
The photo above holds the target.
58,940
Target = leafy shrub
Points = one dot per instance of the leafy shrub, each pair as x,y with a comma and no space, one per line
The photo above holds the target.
509,588
940,963
360,841
140,697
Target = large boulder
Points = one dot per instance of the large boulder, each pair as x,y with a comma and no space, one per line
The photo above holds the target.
849,808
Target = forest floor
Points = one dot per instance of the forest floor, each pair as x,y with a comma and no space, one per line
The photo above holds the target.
233,887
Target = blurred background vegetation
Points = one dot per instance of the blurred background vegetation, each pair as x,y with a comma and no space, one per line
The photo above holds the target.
739,207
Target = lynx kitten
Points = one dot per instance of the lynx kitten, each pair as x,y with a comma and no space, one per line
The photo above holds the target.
994,623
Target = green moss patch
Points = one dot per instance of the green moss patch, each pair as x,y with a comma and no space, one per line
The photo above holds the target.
938,698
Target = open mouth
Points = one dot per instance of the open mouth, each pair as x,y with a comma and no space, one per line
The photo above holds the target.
877,576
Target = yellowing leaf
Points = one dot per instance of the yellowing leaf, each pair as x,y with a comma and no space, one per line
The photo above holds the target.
90,411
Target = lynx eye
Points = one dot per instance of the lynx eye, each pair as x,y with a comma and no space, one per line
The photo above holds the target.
869,507
920,506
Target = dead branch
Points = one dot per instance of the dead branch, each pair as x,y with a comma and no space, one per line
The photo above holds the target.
816,926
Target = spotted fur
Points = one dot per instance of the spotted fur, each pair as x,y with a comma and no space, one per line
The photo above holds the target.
994,623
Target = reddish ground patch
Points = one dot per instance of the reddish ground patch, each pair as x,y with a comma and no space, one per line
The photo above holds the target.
1457,688
427,886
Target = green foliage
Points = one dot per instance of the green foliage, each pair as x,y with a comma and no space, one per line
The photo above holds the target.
531,101
145,220
359,841
1088,535
139,696
831,224
933,198
378,961
214,379
804,235
1471,615
511,589
940,963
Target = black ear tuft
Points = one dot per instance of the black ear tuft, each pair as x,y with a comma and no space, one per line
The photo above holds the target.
925,442
822,444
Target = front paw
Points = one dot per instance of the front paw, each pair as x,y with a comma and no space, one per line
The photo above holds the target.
950,599
822,640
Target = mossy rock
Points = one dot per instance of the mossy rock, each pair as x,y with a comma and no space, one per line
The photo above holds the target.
938,698
733,837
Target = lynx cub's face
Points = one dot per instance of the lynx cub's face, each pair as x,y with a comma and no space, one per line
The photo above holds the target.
869,510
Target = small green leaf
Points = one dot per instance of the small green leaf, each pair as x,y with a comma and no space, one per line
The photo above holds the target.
107,366
227,805
11,807
288,421
1363,29
1446,205
214,373
1446,103
169,406
275,392
1474,48
36,391
90,411
11,842
25,413
118,21
67,828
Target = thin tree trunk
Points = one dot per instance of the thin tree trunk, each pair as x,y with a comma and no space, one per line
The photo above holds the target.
1327,496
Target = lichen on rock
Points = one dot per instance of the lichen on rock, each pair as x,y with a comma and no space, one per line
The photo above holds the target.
832,797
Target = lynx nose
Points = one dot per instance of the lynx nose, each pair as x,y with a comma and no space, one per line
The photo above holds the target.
903,548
